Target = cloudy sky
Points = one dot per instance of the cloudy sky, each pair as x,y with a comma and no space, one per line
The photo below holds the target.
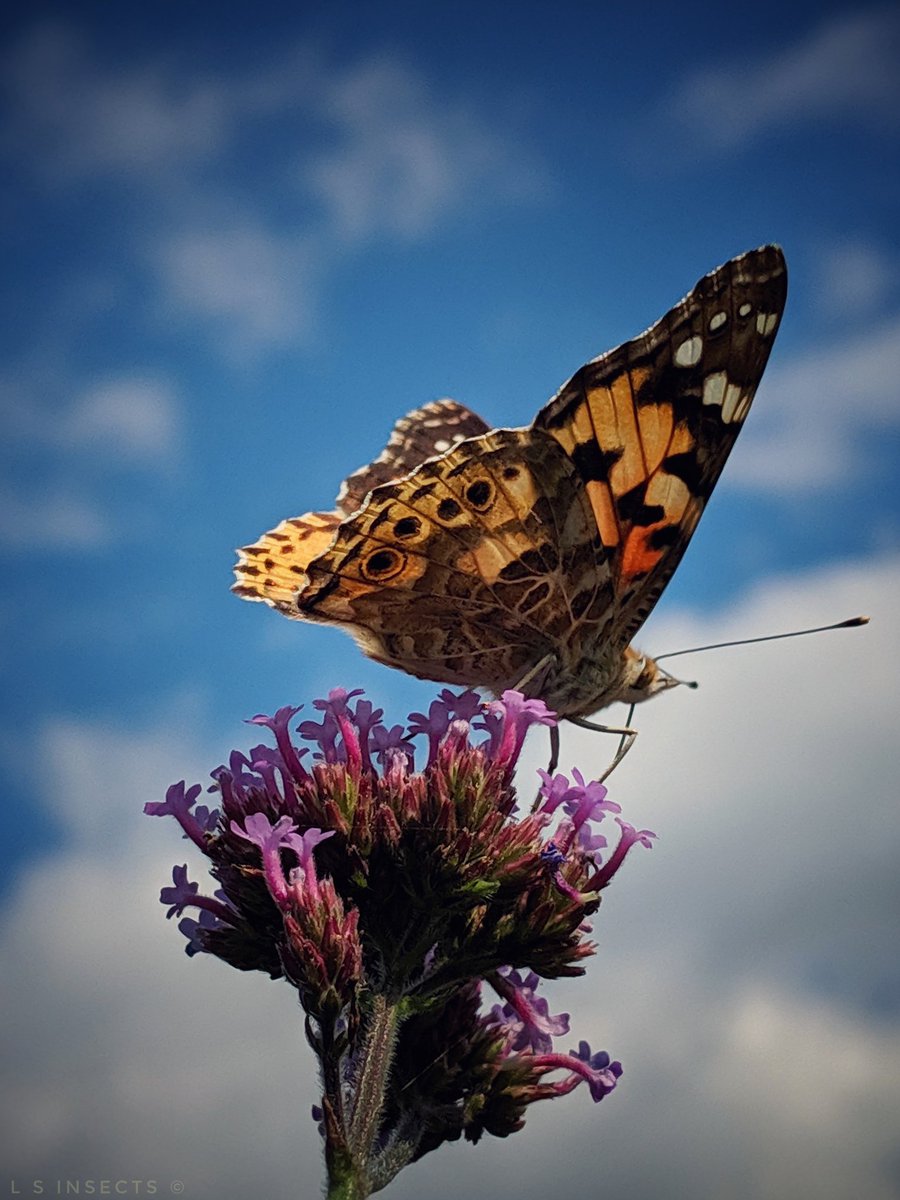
239,241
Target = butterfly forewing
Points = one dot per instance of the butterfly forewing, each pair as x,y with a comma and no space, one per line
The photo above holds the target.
650,424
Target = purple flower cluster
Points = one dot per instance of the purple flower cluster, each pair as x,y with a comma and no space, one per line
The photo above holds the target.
388,896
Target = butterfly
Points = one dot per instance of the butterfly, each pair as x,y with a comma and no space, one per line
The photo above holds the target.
529,558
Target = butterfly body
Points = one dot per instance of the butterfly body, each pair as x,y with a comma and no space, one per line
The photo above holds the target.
529,557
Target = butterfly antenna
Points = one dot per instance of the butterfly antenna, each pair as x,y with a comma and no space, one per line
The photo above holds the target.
673,679
850,623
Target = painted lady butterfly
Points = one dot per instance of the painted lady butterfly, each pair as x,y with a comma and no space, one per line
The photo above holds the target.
530,557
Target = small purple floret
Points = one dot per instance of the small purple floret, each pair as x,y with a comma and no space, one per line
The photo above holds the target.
178,804
259,830
629,837
194,929
290,756
182,894
526,1015
518,715
600,1073
325,734
434,726
385,743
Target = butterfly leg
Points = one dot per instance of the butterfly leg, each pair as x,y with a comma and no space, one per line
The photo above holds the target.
554,749
551,765
536,674
627,737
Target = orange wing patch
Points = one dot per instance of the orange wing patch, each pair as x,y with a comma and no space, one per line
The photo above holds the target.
618,429
604,511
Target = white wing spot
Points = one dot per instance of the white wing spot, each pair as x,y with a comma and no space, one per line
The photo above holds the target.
744,407
689,352
714,388
730,404
766,322
744,310
441,445
717,320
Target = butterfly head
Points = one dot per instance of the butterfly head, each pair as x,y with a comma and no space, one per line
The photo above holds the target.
641,678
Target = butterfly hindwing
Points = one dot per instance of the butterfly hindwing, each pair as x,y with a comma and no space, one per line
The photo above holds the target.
427,431
274,568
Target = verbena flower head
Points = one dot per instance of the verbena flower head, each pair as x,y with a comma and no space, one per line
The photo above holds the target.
389,896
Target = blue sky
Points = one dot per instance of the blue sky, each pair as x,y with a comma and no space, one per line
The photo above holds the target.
239,241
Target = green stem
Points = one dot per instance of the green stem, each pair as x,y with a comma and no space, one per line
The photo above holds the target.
377,1059
347,1188
348,1150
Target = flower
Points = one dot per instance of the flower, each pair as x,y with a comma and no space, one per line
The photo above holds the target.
389,897
629,837
516,715
601,1074
526,1016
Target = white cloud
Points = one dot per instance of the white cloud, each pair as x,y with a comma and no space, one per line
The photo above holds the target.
55,520
847,66
817,414
855,278
400,157
346,153
744,974
390,162
114,423
131,418
403,161
109,1029
256,287
76,116
91,980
